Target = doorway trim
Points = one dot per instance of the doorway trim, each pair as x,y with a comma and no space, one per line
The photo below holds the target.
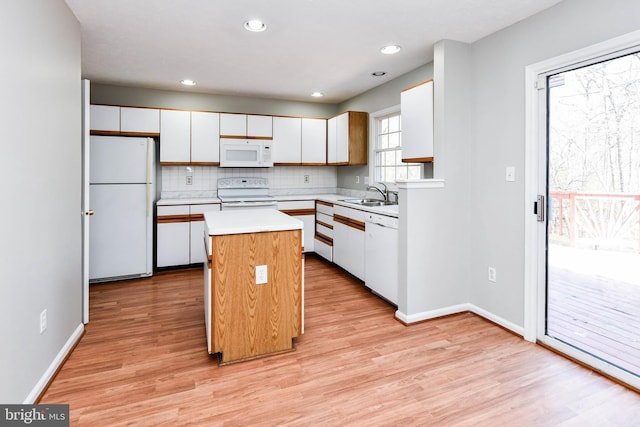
535,150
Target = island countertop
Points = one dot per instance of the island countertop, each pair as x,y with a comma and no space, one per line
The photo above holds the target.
219,223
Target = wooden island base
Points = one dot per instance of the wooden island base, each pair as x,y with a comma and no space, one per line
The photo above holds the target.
249,320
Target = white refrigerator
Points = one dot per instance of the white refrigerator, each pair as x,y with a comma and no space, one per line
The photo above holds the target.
122,196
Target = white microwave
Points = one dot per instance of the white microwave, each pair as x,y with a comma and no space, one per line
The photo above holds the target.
245,153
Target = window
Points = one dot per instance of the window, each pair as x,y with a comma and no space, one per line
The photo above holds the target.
387,150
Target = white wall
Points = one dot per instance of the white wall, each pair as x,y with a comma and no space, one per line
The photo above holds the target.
434,219
40,168
498,207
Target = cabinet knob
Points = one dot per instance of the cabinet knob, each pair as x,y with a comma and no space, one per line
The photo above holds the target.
89,212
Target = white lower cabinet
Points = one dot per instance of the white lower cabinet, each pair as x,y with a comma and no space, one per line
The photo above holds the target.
304,210
349,240
180,234
172,236
323,244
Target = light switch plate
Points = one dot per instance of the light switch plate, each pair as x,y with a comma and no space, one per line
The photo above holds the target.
510,174
261,274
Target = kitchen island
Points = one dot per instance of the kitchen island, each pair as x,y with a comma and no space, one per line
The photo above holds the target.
254,283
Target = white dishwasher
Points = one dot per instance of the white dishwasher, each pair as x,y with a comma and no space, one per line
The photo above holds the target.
381,256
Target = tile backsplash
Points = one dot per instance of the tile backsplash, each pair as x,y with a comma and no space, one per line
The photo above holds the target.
204,179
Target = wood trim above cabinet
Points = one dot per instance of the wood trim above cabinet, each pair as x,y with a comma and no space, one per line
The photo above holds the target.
118,133
189,163
322,202
349,222
324,239
418,160
168,219
299,212
204,163
264,138
324,224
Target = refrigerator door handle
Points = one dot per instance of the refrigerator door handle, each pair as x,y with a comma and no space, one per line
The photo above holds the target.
148,180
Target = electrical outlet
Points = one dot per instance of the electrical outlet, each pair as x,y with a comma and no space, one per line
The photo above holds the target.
357,179
43,320
261,274
306,179
492,274
189,180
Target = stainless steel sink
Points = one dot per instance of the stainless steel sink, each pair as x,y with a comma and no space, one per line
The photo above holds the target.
369,202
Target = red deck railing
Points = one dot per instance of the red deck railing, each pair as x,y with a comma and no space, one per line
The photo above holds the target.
598,219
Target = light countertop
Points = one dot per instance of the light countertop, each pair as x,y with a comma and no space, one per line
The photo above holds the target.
391,210
220,223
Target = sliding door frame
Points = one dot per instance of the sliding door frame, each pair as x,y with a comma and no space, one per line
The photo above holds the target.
536,183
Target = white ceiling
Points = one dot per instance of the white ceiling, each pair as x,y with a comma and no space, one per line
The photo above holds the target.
330,46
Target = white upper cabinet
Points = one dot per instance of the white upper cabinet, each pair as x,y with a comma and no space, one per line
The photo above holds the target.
139,120
416,105
332,140
205,137
233,124
342,138
104,118
287,140
246,125
189,137
114,119
347,139
260,126
175,136
314,141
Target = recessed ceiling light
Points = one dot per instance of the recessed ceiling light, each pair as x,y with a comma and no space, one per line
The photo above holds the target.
391,49
255,25
317,94
378,73
188,82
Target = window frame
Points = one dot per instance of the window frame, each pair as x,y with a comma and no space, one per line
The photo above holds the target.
373,132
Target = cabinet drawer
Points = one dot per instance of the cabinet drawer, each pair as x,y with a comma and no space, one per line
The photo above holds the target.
324,218
324,207
296,204
297,207
325,231
354,214
323,249
168,214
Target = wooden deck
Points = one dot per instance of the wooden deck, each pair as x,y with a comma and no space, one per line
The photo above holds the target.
597,314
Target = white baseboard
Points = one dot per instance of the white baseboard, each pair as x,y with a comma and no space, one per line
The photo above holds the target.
460,308
432,314
519,330
55,364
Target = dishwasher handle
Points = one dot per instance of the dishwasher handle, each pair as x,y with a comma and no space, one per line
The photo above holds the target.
381,220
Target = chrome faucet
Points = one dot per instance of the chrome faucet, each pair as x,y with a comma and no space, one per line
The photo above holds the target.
385,194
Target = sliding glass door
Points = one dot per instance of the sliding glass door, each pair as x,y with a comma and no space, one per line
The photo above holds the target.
592,292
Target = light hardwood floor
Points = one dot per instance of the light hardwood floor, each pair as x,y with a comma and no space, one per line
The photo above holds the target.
143,361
